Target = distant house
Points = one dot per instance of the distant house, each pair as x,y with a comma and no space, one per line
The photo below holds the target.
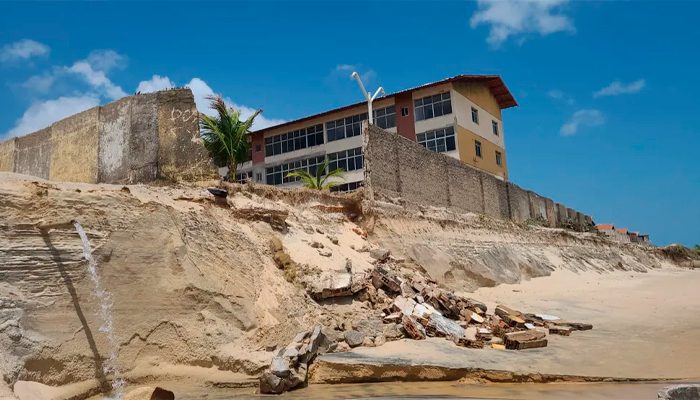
644,238
610,231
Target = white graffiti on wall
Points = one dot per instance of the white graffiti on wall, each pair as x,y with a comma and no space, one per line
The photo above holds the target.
184,116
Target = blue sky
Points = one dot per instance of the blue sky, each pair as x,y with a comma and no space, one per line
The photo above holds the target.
607,121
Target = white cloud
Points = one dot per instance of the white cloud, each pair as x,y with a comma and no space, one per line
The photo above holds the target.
155,84
513,18
39,83
201,90
43,113
581,118
617,88
559,95
23,50
94,71
344,70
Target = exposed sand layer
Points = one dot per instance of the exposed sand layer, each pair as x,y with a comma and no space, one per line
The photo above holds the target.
197,296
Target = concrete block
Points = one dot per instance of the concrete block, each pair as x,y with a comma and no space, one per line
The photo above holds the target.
495,194
561,214
114,127
74,148
465,192
538,208
143,141
33,154
7,155
181,154
551,209
519,202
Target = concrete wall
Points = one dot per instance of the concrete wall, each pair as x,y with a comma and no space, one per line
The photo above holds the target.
519,203
396,167
7,155
135,139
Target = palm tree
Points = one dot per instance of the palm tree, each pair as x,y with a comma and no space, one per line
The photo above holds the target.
225,136
319,181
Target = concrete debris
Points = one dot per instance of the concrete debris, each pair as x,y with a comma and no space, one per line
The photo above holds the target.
316,245
354,338
525,340
382,278
289,368
413,328
331,284
379,254
325,252
276,218
560,330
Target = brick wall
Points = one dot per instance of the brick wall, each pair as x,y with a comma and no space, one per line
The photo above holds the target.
397,167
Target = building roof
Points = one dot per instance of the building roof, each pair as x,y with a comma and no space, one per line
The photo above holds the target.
605,227
494,82
622,230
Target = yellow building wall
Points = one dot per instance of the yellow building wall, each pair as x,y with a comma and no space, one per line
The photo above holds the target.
487,161
480,95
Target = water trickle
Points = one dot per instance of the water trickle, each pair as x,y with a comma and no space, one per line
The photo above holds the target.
110,366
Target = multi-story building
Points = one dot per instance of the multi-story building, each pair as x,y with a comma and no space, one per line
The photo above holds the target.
458,116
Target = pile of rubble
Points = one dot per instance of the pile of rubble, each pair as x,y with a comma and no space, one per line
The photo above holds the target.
407,305
421,308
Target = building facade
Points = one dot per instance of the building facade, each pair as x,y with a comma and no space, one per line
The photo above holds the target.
459,116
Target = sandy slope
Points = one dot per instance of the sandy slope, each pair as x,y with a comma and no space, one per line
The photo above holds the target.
194,286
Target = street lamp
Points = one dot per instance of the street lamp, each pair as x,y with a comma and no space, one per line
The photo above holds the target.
356,76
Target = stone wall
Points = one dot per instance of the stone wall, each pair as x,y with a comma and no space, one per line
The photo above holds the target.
396,167
135,139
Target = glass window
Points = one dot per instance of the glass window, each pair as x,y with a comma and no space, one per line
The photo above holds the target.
347,187
278,175
477,148
439,140
345,127
494,125
295,140
348,160
499,159
404,111
475,115
432,106
385,117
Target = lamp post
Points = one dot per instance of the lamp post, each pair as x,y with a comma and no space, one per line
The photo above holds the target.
369,98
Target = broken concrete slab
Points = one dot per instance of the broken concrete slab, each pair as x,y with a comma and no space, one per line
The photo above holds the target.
525,340
354,338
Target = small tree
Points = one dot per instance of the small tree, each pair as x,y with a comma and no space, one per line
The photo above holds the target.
318,181
225,136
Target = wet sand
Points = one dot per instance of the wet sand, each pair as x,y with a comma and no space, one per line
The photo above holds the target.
443,390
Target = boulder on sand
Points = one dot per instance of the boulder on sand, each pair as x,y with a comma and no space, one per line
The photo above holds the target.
149,393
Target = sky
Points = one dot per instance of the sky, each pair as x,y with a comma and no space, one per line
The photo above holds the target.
607,121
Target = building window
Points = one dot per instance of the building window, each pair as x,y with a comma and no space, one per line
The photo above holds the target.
404,111
499,159
345,127
477,148
385,117
295,140
494,125
277,175
258,177
348,160
347,187
433,106
243,177
438,140
475,115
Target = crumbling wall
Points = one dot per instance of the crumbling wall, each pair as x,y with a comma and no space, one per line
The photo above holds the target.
7,155
135,139
400,168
